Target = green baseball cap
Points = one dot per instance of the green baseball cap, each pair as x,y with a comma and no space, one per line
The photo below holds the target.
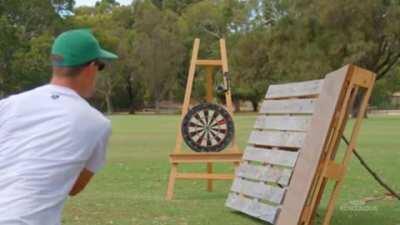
77,47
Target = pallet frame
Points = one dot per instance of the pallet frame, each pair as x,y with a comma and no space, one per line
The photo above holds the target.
291,196
329,169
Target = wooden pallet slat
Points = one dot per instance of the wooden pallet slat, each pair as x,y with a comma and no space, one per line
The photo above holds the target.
283,122
306,88
267,173
252,207
258,190
277,138
271,156
288,106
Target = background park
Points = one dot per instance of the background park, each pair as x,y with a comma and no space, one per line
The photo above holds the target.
268,42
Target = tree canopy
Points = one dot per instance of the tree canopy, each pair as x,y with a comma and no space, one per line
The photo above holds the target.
269,41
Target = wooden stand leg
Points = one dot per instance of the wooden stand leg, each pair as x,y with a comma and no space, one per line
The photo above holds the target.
171,182
331,203
348,154
210,181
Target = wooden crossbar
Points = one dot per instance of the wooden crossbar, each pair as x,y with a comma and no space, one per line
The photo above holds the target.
208,62
206,176
210,157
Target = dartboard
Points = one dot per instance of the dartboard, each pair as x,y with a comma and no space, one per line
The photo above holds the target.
207,128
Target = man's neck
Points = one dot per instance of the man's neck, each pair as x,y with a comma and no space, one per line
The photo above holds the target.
67,82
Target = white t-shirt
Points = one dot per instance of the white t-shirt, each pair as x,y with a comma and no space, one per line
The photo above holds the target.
47,137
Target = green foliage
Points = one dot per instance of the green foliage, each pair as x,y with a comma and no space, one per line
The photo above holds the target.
157,49
269,41
319,36
106,6
27,29
384,88
177,6
9,41
31,66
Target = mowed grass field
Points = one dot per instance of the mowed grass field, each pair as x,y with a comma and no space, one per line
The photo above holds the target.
130,190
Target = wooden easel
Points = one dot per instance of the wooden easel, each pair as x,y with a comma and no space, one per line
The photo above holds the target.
230,155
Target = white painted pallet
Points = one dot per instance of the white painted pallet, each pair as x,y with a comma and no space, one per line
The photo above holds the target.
273,148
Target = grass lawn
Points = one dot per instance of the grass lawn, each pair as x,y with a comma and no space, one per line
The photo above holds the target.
131,188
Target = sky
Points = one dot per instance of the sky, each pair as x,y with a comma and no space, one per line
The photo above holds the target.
92,2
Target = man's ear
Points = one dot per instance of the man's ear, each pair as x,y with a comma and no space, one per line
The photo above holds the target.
89,69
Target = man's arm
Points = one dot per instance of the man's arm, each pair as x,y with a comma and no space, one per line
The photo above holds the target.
93,164
82,181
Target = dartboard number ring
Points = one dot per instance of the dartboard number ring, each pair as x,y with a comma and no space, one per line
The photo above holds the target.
207,127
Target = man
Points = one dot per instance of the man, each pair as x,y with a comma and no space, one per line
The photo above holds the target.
51,140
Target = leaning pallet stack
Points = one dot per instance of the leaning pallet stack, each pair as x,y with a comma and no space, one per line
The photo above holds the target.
291,153
273,149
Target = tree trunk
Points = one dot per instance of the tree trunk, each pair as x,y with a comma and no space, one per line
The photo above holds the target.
109,104
255,105
357,104
157,105
108,95
236,104
129,89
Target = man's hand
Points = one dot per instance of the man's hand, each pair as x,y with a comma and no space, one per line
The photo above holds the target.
81,182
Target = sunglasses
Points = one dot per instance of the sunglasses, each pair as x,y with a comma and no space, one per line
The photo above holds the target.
100,65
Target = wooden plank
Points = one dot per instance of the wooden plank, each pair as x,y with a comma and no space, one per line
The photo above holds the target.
312,149
210,181
286,122
209,62
258,190
277,138
252,207
288,106
205,158
306,88
271,156
225,70
264,173
205,176
188,93
224,55
334,171
209,84
171,182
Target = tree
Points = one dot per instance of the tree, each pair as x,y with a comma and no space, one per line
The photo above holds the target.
9,41
97,20
268,41
338,33
252,70
106,6
25,25
178,6
32,67
157,49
